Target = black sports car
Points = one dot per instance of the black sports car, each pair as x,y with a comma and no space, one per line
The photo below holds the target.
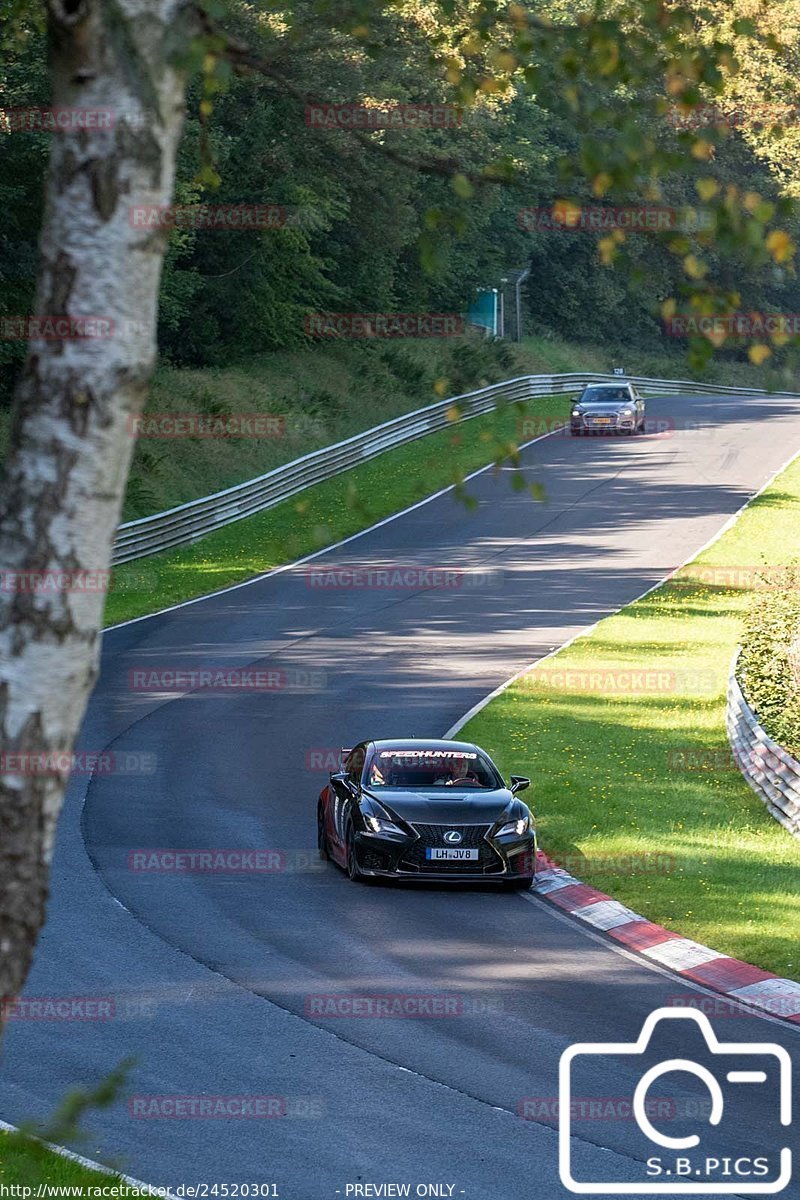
433,810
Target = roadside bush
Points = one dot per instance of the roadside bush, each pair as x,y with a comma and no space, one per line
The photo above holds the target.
414,376
476,361
769,665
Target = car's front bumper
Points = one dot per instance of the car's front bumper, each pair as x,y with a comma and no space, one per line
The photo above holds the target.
500,860
618,423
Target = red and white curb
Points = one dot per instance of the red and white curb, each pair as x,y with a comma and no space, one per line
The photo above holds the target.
739,981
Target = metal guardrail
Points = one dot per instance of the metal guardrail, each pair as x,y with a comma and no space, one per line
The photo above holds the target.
769,769
189,522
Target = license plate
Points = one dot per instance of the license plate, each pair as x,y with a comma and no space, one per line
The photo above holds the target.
438,854
601,420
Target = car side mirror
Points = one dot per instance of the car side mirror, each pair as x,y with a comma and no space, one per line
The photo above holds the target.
343,784
519,783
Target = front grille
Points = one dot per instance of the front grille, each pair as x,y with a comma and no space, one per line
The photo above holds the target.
472,836
597,423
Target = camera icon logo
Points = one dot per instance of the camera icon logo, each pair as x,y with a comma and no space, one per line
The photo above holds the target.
705,1154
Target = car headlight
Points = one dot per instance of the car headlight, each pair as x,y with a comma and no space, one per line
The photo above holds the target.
379,825
518,827
577,412
627,412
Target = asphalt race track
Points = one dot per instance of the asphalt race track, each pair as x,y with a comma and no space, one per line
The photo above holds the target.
216,978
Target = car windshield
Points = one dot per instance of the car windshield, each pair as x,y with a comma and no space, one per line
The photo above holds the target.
604,395
425,767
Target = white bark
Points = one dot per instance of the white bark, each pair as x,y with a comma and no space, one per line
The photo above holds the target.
71,444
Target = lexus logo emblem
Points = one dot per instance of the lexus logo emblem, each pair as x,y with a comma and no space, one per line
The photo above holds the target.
452,836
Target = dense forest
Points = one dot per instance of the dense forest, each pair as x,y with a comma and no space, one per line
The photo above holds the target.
394,220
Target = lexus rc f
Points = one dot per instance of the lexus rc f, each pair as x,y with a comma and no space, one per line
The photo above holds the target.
426,810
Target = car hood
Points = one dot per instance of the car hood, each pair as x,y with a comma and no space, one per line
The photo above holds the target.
604,406
455,808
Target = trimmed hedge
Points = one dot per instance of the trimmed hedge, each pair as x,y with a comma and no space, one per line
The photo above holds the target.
769,664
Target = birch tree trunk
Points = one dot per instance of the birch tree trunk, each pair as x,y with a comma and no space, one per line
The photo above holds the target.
71,444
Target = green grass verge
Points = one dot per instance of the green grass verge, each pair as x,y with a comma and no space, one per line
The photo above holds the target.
27,1163
621,780
324,513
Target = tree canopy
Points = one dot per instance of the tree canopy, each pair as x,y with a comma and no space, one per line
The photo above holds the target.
555,104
